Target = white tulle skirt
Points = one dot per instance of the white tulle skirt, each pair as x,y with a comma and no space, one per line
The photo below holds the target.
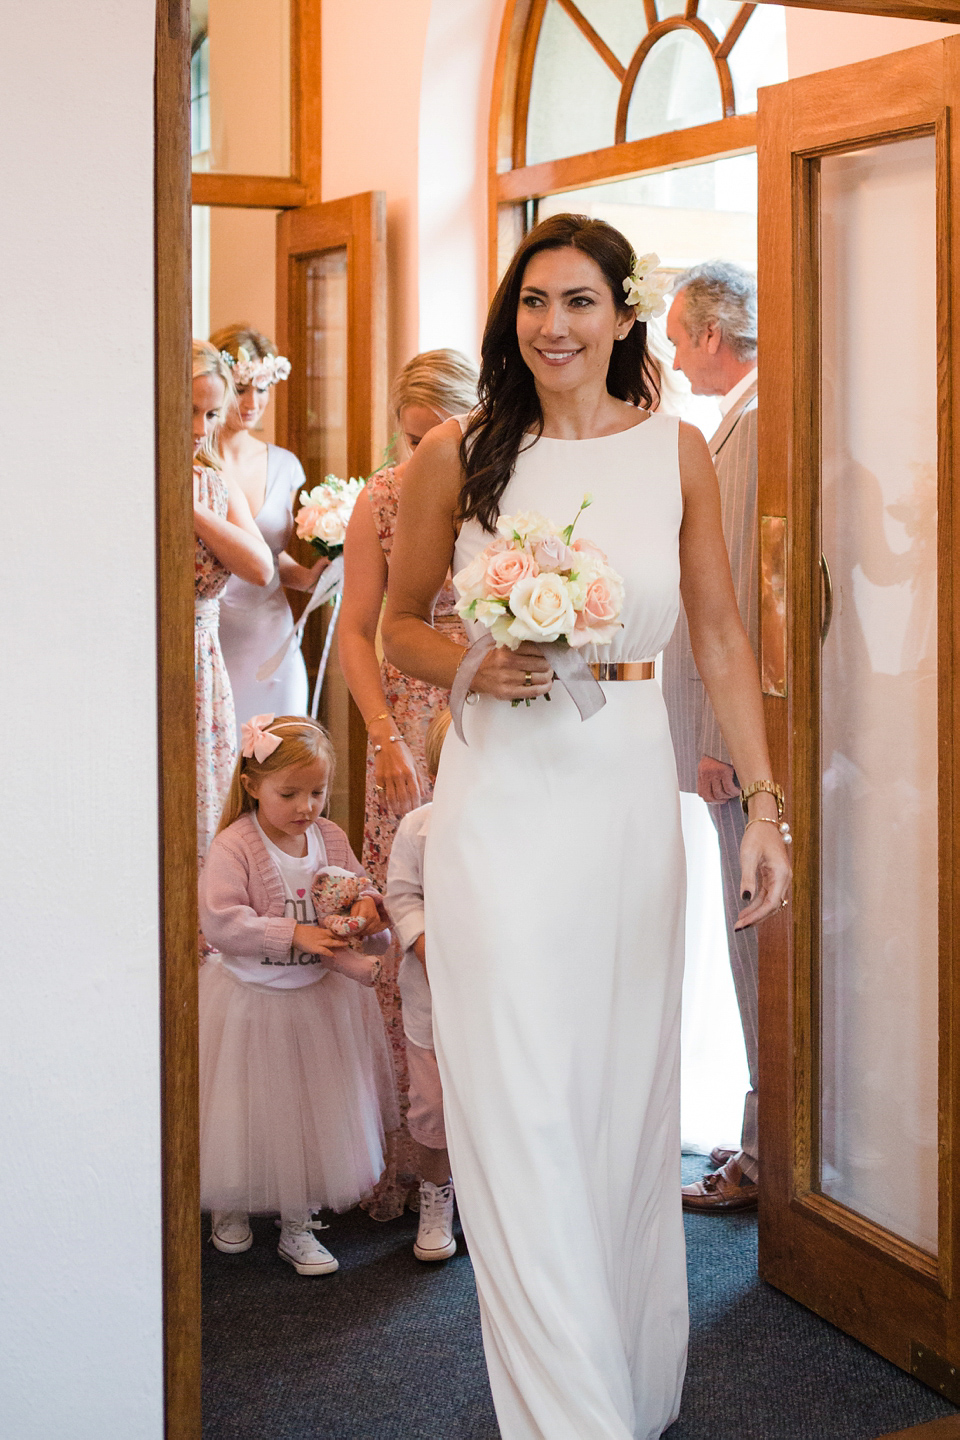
296,1093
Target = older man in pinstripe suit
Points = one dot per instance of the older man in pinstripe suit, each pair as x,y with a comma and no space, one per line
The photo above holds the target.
712,324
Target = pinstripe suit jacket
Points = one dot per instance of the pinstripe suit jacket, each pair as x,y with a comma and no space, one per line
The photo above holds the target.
693,724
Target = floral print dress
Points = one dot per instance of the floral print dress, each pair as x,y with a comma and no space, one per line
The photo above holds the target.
216,731
412,705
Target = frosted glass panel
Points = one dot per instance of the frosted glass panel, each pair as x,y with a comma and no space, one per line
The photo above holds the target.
326,453
760,55
326,276
719,15
573,95
879,688
677,87
621,26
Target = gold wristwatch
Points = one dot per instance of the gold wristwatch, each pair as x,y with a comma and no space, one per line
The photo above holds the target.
770,786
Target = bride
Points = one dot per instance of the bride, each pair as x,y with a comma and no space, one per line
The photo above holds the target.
554,871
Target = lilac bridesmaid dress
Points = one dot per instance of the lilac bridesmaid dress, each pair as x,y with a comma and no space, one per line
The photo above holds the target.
255,620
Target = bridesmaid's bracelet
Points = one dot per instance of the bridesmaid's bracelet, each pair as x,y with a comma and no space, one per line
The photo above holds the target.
384,715
781,825
378,748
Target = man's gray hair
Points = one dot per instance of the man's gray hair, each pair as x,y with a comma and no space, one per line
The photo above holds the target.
722,294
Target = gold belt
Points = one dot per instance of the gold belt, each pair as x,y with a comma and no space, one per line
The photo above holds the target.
640,670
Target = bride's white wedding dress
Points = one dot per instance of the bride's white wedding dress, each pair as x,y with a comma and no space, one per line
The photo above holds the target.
555,900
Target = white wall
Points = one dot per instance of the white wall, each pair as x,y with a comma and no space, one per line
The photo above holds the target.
80,1284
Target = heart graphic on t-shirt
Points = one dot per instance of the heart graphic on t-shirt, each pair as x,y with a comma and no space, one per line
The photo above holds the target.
301,893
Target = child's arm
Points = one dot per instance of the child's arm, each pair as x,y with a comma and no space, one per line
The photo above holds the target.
226,917
405,887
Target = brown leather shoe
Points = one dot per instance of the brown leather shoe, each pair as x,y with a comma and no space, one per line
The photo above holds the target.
719,1156
725,1190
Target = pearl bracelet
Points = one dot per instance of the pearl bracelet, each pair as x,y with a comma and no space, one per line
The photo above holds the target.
781,825
378,748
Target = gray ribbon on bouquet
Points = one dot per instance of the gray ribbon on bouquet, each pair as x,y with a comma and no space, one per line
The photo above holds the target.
568,664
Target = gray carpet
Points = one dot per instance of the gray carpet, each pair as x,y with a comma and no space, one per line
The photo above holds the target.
389,1349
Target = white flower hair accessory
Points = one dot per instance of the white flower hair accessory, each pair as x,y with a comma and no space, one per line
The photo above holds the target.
252,370
646,287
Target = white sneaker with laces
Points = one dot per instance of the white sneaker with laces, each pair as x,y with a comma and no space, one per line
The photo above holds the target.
230,1231
301,1248
435,1234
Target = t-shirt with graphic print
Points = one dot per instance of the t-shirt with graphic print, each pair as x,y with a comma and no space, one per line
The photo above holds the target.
299,967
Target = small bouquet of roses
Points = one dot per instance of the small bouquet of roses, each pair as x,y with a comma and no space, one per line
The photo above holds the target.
325,513
535,582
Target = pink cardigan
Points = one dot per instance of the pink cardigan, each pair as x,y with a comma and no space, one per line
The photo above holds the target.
242,897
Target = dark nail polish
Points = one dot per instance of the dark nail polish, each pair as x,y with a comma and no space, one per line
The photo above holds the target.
746,895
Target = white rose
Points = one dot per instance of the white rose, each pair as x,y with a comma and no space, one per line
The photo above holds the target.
541,607
330,527
530,525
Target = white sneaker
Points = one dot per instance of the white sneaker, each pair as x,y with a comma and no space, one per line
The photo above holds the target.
230,1231
435,1235
301,1248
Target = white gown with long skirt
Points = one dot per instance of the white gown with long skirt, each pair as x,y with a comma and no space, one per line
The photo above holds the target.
256,619
555,891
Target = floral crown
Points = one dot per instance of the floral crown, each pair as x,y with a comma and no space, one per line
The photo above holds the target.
646,287
253,370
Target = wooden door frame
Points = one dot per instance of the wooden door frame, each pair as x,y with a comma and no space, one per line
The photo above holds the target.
799,122
180,1117
356,224
176,783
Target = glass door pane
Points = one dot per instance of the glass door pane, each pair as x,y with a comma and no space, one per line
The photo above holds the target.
878,735
326,418
325,453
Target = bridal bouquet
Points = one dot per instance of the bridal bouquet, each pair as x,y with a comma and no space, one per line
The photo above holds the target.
325,514
535,582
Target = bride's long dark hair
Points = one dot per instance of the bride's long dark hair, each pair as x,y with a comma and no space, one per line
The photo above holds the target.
509,407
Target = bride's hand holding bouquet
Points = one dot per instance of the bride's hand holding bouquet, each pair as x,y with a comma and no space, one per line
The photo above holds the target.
535,586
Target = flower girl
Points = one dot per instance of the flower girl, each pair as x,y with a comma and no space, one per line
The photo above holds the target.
296,1083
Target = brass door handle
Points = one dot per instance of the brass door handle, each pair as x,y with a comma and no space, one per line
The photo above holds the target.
826,601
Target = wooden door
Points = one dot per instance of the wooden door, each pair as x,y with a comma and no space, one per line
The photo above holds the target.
331,322
859,211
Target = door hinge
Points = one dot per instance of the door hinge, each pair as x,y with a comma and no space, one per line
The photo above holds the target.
935,1371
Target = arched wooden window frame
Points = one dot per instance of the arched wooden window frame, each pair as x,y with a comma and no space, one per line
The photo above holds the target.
514,186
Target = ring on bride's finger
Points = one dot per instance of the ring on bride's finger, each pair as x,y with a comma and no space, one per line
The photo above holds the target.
784,903
528,678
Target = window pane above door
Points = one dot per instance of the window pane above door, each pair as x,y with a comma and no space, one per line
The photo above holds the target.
240,86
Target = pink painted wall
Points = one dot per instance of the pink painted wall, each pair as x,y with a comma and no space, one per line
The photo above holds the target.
372,64
824,39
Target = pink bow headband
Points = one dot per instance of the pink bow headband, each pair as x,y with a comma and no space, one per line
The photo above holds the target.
260,742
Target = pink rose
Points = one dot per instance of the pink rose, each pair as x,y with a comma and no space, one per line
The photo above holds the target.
307,519
553,554
587,547
504,569
598,622
600,606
